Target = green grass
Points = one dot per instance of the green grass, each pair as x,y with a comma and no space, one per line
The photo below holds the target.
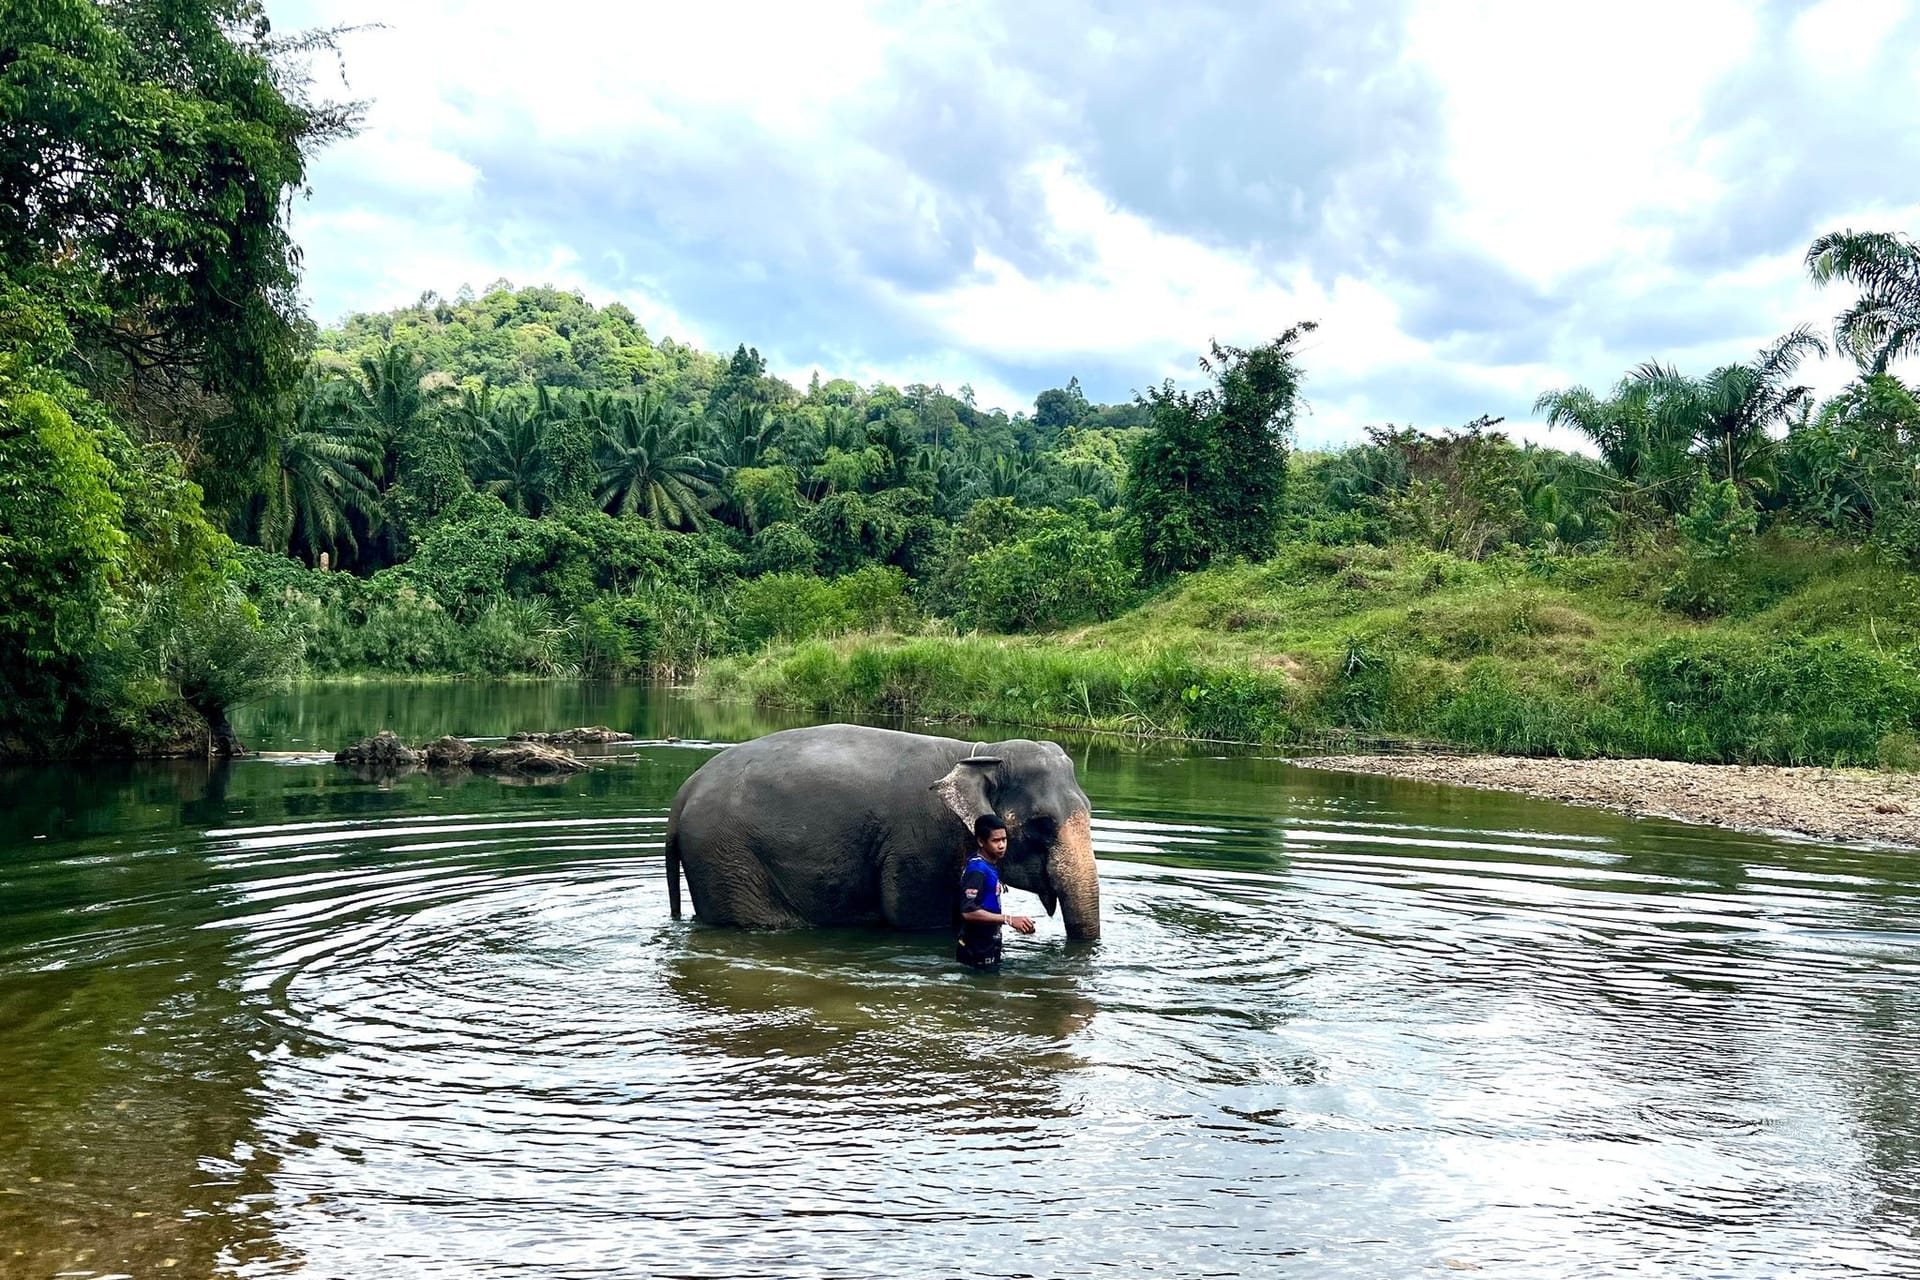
1552,656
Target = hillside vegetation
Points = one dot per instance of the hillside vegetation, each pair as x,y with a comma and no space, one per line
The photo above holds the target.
1323,645
205,494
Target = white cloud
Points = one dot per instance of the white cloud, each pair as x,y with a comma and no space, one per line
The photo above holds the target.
1568,128
1150,297
950,194
1840,39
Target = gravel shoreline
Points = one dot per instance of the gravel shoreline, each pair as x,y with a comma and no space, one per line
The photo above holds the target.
1828,804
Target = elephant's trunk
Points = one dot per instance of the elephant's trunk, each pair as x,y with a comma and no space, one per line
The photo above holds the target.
1071,872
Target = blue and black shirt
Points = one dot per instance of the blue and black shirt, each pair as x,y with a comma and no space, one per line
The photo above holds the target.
979,891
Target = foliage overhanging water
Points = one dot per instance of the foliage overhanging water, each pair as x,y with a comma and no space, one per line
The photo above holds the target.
272,1018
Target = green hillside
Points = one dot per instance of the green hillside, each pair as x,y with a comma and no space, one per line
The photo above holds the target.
205,496
1530,655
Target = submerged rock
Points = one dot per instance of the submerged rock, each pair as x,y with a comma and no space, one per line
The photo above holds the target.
447,752
595,735
384,755
382,751
525,758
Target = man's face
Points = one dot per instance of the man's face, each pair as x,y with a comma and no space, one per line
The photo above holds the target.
995,845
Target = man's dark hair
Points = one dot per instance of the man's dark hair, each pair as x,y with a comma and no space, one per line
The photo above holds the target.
985,825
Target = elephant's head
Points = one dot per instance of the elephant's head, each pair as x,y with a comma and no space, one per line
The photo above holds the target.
1031,786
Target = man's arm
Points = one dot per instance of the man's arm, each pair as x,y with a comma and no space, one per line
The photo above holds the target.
972,885
1021,924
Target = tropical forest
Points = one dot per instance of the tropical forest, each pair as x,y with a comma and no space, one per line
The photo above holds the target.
208,493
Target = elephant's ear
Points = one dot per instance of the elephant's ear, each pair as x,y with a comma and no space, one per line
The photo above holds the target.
968,788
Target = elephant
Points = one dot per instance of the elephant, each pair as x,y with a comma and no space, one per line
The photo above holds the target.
844,825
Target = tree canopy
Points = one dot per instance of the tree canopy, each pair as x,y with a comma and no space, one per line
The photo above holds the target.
151,153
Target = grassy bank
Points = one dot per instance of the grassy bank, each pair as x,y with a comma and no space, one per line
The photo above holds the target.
1814,661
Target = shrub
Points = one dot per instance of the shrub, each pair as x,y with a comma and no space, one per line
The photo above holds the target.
1900,752
617,636
786,606
799,606
1717,529
782,547
1793,700
61,542
875,597
1362,690
209,650
1061,573
1014,569
481,552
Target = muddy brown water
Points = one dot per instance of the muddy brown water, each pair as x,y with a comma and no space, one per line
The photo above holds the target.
272,1019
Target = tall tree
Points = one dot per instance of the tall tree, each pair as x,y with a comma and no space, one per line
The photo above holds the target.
318,479
1057,409
147,158
1884,324
1208,479
1732,412
649,468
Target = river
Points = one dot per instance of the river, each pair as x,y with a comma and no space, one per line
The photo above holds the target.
272,1019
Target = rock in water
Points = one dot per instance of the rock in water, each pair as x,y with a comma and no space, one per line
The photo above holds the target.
596,735
382,751
528,758
384,755
447,752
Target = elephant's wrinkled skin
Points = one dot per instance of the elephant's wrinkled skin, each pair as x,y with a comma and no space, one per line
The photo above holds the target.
842,824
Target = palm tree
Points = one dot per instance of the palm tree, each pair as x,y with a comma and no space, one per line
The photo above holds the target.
1643,453
1620,426
318,477
387,400
1731,412
840,429
743,435
1087,479
648,467
505,458
473,407
949,477
1884,325
1008,476
898,450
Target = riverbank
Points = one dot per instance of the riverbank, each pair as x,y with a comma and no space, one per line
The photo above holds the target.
1330,649
1827,804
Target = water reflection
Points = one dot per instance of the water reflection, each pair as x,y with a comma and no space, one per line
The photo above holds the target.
311,1023
878,1029
129,1137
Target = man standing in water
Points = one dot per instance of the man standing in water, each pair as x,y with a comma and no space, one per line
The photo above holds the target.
980,914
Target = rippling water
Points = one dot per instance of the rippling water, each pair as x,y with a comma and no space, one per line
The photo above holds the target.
273,1019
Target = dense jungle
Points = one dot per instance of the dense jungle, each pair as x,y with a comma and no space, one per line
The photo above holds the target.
204,495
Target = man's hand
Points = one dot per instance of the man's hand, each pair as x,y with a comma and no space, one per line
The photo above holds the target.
1021,924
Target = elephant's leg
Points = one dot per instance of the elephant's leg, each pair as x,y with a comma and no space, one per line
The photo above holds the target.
732,887
917,888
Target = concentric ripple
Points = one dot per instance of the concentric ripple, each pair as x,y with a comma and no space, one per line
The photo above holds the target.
289,1022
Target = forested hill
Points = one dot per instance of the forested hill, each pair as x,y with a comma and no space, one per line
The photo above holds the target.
529,337
542,337
196,500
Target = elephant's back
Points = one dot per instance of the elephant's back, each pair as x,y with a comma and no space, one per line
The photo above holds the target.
809,775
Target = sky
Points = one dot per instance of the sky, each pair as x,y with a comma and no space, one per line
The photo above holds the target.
1476,201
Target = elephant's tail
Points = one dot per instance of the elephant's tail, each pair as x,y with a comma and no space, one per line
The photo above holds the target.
673,873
